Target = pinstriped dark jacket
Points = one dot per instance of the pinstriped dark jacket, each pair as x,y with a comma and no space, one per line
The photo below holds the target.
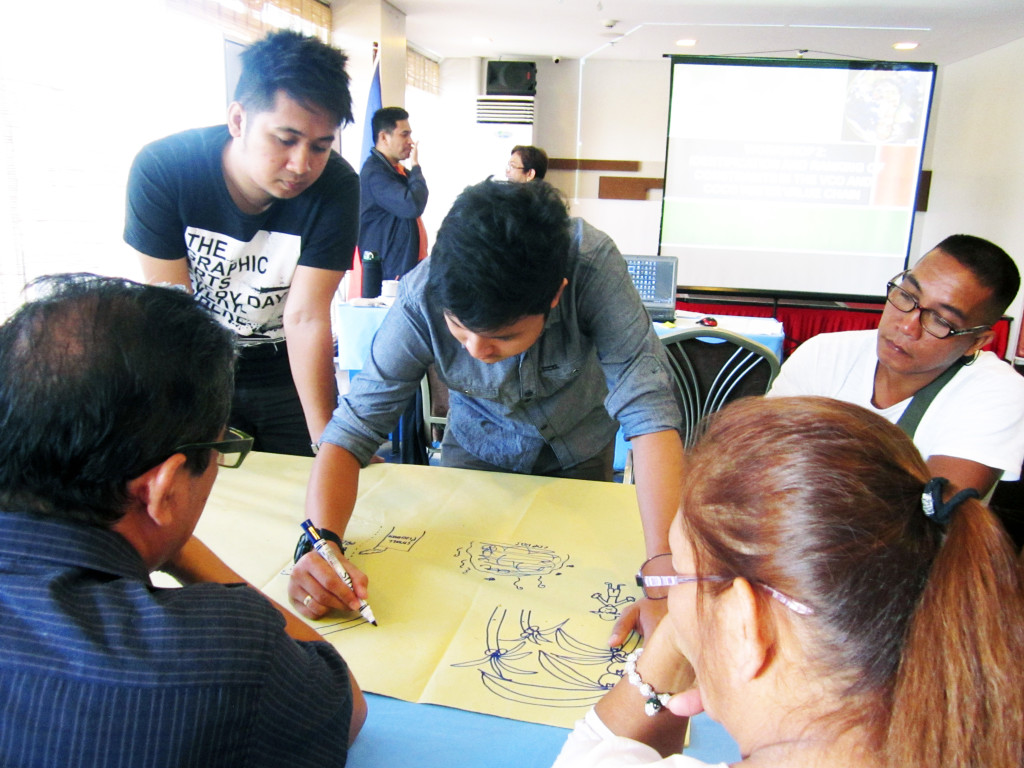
100,668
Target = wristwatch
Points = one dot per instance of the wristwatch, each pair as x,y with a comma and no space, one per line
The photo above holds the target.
303,545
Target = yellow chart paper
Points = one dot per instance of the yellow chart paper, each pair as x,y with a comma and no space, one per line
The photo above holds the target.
494,593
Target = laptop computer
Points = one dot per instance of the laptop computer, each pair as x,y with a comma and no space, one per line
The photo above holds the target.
655,281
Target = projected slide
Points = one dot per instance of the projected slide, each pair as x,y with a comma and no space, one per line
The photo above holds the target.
796,176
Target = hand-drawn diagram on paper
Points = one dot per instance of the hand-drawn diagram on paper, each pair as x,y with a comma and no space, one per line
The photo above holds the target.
390,540
611,601
546,667
517,561
340,625
555,555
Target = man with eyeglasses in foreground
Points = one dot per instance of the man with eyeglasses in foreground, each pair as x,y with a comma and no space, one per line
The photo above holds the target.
113,401
937,317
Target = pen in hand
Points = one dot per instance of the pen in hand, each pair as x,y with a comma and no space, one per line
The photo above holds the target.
320,545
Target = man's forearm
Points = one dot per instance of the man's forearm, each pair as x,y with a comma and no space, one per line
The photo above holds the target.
311,356
658,473
333,483
165,271
196,563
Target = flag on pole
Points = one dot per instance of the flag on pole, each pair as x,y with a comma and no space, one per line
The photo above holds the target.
373,103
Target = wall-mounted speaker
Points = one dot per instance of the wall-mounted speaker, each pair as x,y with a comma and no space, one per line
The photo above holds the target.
511,78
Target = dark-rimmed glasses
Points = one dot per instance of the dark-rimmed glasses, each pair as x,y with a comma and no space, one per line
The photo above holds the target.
931,321
657,575
231,451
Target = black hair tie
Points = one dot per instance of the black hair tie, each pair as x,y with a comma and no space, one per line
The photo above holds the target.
935,508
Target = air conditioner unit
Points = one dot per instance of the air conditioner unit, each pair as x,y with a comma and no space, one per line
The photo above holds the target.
501,124
518,110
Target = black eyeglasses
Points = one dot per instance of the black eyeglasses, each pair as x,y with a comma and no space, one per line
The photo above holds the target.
931,320
231,452
657,575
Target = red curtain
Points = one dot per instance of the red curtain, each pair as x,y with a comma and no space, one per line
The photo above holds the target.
801,323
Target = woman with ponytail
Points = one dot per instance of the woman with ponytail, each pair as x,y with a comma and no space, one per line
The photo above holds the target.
829,603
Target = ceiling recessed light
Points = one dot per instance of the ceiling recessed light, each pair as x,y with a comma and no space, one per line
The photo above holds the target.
686,42
907,46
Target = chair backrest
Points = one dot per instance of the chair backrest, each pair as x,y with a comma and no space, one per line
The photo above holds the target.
711,367
435,410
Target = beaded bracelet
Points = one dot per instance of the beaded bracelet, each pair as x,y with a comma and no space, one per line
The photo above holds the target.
654,702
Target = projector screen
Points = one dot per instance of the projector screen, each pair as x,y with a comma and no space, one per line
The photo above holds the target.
793,176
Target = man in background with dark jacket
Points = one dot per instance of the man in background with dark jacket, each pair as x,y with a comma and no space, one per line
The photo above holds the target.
393,198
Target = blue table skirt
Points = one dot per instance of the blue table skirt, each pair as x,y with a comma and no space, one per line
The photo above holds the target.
399,733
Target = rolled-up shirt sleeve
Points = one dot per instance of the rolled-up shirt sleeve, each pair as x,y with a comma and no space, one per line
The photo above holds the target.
398,359
633,359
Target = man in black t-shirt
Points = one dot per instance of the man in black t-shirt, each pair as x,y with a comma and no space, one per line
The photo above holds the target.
259,219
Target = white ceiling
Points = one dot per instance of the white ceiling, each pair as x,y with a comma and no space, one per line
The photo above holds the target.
947,30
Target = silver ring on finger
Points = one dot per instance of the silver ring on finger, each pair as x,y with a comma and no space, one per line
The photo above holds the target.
307,600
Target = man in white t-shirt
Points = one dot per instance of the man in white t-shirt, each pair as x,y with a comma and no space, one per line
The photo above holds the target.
937,317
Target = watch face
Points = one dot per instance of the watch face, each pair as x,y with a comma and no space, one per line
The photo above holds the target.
301,548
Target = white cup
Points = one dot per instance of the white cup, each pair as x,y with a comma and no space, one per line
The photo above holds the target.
388,289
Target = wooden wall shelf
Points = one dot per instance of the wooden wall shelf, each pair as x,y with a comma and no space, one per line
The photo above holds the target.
627,187
572,164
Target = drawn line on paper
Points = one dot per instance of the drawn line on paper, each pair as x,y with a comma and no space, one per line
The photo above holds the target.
611,601
498,657
341,625
545,667
398,542
516,561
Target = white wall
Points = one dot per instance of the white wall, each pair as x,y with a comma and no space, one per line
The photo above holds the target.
594,109
976,154
446,136
621,114
73,113
607,110
357,25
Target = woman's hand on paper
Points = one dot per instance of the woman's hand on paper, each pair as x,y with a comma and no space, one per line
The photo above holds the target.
641,617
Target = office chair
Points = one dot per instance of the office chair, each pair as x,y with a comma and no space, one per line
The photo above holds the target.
435,412
712,366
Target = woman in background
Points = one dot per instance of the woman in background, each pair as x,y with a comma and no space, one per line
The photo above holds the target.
835,610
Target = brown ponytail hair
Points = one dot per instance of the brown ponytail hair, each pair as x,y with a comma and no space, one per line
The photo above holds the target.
921,627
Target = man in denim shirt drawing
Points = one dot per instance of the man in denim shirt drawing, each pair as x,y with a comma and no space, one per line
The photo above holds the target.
532,321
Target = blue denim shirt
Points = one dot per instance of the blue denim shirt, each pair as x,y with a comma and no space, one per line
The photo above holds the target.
597,361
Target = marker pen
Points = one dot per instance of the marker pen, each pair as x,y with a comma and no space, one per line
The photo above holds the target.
320,545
